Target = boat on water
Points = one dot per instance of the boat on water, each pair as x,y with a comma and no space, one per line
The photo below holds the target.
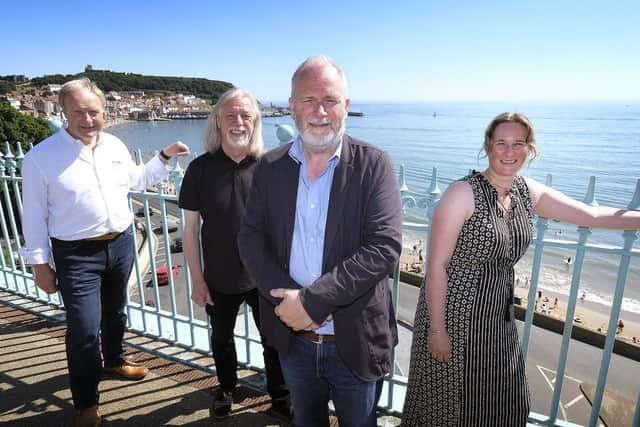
356,113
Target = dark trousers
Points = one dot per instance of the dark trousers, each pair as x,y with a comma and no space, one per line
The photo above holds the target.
222,316
92,278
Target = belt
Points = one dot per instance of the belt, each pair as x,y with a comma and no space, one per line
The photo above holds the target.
315,338
108,236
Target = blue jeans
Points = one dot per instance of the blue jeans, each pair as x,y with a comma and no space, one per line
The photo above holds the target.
315,374
92,277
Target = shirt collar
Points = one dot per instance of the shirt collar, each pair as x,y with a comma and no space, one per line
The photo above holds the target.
297,152
222,155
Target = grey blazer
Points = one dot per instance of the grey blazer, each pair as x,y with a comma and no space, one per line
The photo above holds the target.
363,240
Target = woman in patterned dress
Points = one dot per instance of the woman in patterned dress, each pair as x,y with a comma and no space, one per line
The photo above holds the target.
467,367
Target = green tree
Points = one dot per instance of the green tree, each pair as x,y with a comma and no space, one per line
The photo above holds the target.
15,126
6,87
110,80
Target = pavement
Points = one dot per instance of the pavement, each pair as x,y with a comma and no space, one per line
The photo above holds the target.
34,383
178,391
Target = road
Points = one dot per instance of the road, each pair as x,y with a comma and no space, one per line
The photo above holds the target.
172,294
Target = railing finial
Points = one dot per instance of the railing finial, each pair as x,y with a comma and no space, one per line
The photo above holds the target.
590,198
635,201
402,180
434,190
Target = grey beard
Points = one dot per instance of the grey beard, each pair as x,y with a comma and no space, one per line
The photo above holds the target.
312,144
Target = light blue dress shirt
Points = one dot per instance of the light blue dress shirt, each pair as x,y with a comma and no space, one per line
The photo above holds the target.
312,204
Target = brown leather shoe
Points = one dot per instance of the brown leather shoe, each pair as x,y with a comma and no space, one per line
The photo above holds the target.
128,370
88,417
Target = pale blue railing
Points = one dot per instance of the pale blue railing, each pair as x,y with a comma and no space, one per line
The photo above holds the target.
420,193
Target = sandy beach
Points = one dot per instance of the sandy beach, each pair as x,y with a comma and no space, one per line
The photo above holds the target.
588,314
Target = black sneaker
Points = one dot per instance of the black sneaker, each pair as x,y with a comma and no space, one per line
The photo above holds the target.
281,407
222,404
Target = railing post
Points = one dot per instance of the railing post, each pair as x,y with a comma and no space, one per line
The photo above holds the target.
405,197
2,166
402,181
433,195
583,234
541,228
9,159
590,198
630,236
175,177
19,155
636,417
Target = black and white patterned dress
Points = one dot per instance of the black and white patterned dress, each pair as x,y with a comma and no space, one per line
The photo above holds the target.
484,382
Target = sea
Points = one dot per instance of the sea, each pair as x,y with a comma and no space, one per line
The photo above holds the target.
576,140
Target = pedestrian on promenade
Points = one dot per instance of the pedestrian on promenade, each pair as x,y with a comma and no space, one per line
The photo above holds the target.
215,188
465,350
322,232
75,189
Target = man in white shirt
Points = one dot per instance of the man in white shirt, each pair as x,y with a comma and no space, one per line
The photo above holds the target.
75,187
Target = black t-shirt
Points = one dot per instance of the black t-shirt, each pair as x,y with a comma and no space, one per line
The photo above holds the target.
218,187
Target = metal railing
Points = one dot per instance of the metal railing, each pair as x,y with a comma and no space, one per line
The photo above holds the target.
160,312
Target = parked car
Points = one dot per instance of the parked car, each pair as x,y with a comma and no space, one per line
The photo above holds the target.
172,224
140,211
163,276
176,245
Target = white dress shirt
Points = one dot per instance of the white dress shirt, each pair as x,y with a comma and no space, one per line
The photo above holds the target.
71,192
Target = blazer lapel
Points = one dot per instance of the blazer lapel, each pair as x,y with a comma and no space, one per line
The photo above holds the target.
341,178
288,190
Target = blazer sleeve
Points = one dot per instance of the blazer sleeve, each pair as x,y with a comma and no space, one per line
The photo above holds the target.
257,249
373,261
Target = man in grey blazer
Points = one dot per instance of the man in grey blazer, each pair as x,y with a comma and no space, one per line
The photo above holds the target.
322,232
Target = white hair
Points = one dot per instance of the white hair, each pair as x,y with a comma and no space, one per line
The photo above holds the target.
213,136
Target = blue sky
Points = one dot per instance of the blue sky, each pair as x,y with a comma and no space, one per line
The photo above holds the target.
391,50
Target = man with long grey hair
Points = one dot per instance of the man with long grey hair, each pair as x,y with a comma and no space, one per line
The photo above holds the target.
215,188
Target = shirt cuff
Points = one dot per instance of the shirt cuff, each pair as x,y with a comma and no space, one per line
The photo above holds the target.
158,166
36,256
